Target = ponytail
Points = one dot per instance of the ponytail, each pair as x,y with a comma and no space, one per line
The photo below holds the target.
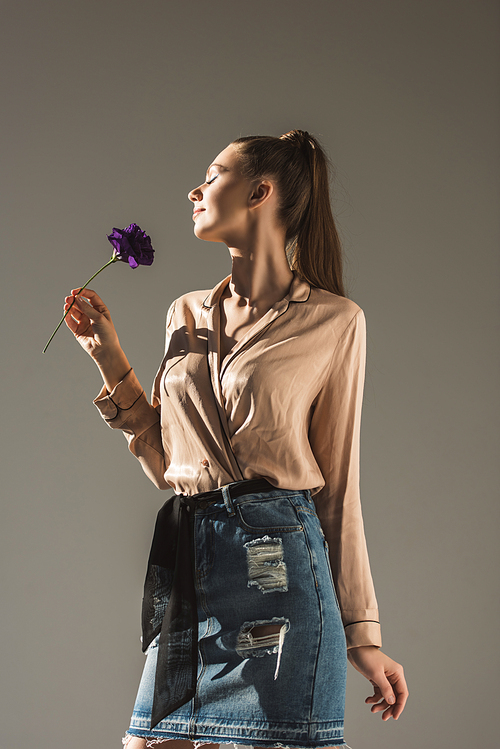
300,167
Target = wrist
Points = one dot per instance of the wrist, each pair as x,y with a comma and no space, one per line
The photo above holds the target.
113,369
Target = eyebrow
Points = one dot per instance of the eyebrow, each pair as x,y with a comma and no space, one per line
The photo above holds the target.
219,165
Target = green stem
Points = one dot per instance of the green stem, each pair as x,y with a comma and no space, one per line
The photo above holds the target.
113,259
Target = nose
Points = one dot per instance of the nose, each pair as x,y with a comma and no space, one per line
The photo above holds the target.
195,195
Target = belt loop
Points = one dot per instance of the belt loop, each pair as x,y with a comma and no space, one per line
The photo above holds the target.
227,500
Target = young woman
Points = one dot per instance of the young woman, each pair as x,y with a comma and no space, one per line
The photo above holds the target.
258,575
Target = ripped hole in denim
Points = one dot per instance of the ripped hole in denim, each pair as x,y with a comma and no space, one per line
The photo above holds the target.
266,568
260,638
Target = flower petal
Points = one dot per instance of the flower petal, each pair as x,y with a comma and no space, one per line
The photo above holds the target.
132,245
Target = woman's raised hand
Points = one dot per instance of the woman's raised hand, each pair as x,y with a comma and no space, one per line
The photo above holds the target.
387,677
90,322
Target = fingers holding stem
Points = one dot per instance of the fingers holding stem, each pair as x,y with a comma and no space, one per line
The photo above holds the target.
73,314
75,292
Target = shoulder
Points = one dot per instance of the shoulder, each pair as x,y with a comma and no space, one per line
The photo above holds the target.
192,303
186,306
192,300
339,305
334,311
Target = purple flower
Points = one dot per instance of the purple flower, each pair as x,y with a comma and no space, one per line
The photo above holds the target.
132,245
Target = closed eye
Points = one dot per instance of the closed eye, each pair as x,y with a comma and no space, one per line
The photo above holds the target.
209,181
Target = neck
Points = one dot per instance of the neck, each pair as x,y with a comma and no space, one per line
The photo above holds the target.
260,274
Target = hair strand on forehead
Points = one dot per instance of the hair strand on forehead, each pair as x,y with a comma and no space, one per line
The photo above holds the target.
300,167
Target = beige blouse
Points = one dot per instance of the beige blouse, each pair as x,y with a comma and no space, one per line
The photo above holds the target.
284,404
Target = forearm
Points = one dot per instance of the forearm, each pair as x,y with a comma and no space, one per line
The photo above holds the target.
113,368
126,407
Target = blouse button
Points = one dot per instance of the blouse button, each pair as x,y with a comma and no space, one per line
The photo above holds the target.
205,463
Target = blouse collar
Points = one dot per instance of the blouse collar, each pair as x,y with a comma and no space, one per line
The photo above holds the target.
299,291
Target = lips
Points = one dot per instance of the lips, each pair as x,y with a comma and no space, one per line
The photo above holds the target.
197,211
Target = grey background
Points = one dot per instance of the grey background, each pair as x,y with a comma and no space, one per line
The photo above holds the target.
111,111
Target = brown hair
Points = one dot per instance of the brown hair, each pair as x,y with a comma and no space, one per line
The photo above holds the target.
300,168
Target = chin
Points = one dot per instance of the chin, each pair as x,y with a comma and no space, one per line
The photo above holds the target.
200,234
206,235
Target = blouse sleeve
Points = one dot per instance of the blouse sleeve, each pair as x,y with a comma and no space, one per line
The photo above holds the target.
127,408
334,437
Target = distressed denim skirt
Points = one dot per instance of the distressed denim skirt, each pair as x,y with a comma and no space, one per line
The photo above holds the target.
259,559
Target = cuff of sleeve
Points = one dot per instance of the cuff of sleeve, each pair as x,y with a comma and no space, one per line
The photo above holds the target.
121,398
358,634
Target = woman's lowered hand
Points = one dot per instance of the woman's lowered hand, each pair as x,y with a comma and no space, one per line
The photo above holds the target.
386,676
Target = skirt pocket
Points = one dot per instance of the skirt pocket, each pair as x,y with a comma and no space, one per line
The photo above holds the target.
274,514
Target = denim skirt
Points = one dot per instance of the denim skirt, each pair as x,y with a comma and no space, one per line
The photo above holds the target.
259,559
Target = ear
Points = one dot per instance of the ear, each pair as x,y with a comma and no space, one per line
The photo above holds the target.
261,193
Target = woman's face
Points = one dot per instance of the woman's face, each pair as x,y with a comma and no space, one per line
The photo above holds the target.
221,204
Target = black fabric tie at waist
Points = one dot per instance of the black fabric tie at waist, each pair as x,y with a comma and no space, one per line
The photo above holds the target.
170,561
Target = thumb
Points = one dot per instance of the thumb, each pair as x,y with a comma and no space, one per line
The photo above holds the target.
386,689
